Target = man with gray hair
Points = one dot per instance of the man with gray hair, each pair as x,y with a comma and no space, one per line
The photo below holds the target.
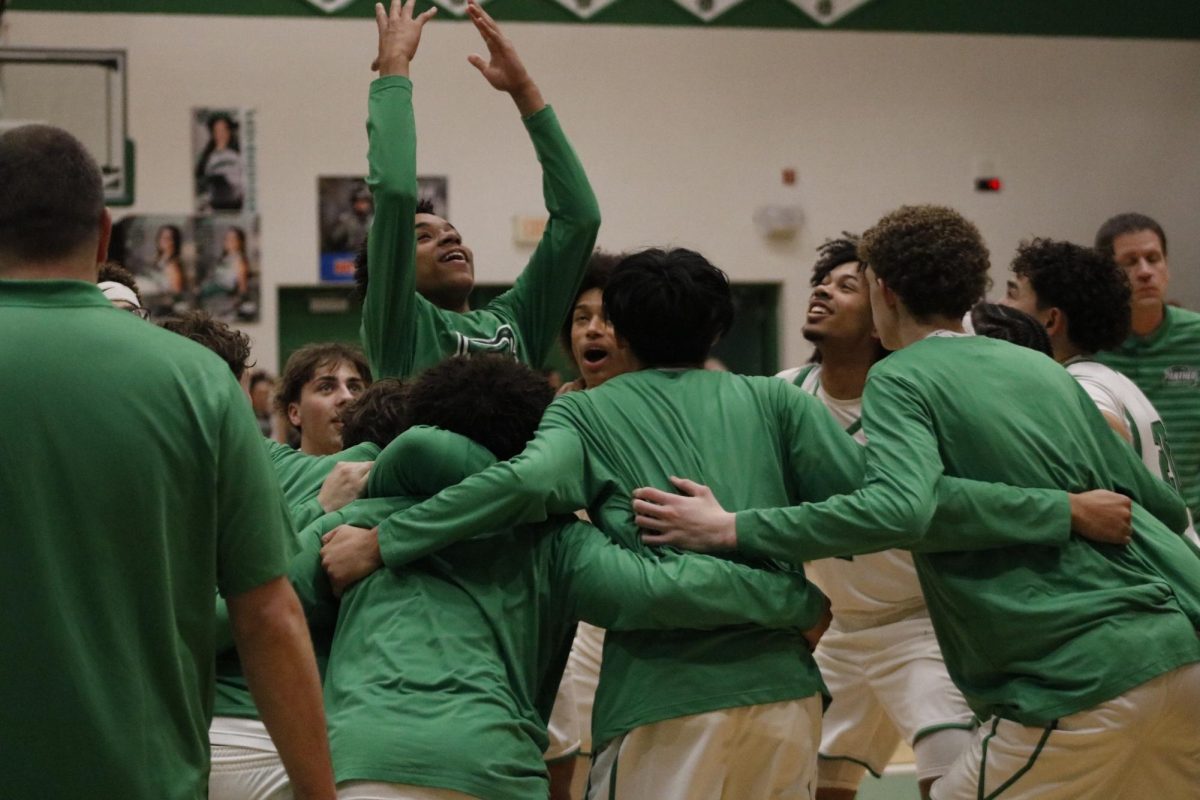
132,480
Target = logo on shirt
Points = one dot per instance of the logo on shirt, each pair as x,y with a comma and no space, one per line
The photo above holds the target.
1181,376
504,343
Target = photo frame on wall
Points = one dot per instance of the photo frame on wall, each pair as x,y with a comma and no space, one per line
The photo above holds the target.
228,259
345,210
223,160
160,251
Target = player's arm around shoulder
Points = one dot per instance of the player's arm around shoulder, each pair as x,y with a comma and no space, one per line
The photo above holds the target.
619,589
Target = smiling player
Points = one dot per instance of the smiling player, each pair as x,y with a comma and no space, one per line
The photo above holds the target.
416,309
880,658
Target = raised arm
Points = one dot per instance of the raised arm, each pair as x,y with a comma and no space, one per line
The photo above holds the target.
389,320
618,589
542,296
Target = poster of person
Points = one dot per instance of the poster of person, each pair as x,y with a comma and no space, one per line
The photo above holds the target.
228,280
346,209
160,251
223,159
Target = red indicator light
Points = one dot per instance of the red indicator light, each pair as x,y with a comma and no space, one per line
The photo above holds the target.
988,185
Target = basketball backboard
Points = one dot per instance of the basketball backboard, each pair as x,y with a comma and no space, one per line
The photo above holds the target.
81,91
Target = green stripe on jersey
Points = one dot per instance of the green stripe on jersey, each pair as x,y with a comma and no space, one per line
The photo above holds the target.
1166,366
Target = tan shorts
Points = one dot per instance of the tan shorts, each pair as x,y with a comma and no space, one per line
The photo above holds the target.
1143,744
765,752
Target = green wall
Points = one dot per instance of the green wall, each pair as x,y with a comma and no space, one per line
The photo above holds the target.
328,314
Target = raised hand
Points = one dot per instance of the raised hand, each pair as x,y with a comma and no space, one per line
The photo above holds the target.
399,36
693,520
503,69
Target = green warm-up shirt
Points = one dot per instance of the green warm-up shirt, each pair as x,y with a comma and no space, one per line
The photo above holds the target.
132,480
754,441
1031,632
300,476
1166,366
443,673
402,332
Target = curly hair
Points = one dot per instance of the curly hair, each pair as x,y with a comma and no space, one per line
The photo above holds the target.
230,344
1084,284
112,271
377,415
1010,325
834,253
1129,222
490,399
932,257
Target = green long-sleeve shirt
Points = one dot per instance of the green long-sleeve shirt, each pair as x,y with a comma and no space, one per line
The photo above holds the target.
1029,633
443,674
300,476
755,442
402,332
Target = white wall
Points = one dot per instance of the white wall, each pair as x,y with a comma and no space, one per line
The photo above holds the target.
684,132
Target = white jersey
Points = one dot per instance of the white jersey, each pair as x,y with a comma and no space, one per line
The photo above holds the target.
867,590
1115,394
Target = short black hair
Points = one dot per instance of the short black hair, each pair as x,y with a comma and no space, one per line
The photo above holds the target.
1010,324
832,254
1121,224
52,196
304,363
595,276
1085,284
361,267
377,415
671,306
112,271
230,344
489,398
932,257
